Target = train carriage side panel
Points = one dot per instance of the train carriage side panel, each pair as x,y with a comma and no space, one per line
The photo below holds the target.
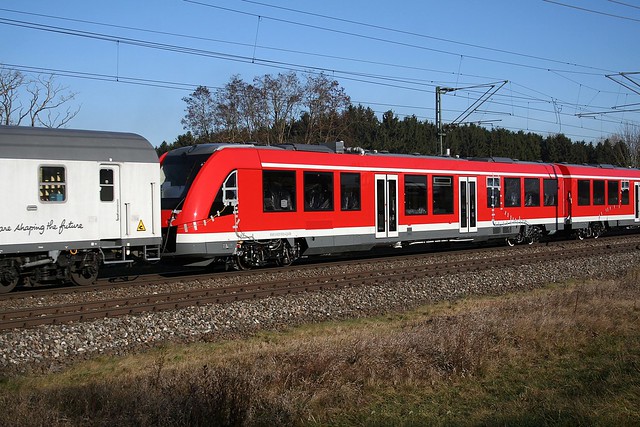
330,226
441,223
140,200
600,195
57,179
50,208
527,195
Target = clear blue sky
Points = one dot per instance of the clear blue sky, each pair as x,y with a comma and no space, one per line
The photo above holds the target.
387,55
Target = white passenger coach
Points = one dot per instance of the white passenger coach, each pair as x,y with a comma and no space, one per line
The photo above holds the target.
73,200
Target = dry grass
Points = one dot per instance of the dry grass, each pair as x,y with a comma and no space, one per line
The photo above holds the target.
564,355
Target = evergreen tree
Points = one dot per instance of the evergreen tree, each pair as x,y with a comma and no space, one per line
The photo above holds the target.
363,127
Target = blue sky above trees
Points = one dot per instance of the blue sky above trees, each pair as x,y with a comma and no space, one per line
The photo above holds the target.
132,63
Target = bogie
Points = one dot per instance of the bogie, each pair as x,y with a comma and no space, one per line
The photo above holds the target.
252,254
593,230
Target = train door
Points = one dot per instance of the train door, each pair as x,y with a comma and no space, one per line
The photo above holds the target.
386,206
637,199
109,207
468,204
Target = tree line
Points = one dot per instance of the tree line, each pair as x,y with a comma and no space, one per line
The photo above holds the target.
315,109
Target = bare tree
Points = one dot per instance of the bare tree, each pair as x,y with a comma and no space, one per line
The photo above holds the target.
268,109
241,110
228,101
200,117
630,135
255,112
283,94
40,99
324,100
47,97
11,81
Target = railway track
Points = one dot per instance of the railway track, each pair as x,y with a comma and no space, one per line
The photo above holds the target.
153,302
139,279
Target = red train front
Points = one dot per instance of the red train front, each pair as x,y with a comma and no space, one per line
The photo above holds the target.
253,205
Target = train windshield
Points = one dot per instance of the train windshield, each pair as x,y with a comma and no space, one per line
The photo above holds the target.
177,175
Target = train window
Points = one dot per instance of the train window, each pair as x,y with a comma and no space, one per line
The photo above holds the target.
226,198
442,194
279,191
598,192
624,199
106,185
493,192
230,190
531,192
350,191
318,191
613,192
177,174
550,187
53,184
512,192
415,194
584,192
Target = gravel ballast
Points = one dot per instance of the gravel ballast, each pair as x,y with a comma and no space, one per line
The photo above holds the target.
51,347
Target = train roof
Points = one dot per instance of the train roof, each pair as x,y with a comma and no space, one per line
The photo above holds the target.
20,142
501,163
329,148
207,148
603,170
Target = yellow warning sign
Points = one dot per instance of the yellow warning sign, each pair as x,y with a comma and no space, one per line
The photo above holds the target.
141,226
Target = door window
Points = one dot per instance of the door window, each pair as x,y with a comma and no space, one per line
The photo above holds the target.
106,185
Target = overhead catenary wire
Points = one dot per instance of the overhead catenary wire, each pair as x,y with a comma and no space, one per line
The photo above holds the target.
584,9
283,50
414,34
410,45
625,4
558,72
356,76
369,78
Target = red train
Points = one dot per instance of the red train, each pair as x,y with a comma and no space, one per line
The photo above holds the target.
254,205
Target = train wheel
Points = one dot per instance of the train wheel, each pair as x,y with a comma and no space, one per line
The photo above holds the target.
85,273
84,276
241,264
286,257
8,279
597,229
285,261
510,242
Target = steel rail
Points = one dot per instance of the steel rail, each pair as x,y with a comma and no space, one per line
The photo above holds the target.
59,314
120,282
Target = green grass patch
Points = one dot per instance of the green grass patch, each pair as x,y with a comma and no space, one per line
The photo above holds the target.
563,355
